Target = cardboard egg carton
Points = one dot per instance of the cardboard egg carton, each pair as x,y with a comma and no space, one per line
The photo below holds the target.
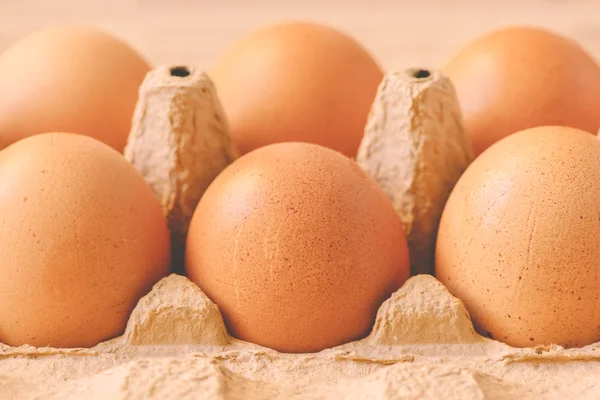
423,344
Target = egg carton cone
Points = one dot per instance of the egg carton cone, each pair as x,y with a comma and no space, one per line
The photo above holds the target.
179,142
423,344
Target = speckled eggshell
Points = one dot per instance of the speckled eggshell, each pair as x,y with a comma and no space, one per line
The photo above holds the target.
298,247
83,238
519,239
521,77
69,79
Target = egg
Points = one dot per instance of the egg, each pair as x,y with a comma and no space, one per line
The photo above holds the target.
69,79
297,81
518,240
83,238
522,77
297,246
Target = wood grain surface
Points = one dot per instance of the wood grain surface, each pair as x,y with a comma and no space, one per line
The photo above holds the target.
399,33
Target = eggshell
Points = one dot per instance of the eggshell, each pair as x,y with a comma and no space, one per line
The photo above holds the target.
297,81
83,238
522,77
69,79
297,246
518,240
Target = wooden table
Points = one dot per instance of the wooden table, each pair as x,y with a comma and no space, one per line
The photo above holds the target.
399,33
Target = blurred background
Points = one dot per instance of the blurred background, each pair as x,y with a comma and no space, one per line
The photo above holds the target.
397,32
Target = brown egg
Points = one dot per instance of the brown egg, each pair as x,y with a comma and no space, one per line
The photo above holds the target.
522,77
69,79
297,82
518,240
83,238
298,247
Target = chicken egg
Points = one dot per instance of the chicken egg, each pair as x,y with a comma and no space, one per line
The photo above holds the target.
69,79
83,238
297,81
518,240
297,246
522,77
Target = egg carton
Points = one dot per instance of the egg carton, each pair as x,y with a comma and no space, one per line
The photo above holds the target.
423,344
